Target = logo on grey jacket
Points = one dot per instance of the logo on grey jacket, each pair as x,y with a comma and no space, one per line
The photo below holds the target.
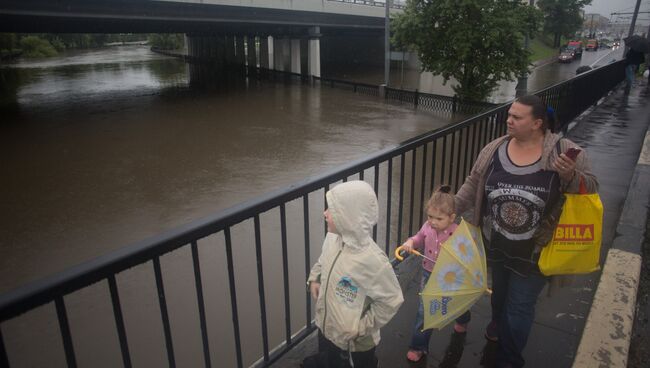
346,291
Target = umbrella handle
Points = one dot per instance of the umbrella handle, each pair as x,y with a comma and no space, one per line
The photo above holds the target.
398,254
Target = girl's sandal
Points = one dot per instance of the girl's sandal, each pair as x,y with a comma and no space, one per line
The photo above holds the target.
414,355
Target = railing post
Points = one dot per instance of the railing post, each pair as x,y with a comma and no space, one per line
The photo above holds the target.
416,97
454,104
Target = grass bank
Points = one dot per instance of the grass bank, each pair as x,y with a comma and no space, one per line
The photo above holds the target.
540,50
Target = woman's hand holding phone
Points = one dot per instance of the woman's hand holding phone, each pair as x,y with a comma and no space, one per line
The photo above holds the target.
565,164
572,153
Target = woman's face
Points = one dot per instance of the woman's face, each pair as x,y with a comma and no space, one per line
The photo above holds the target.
521,123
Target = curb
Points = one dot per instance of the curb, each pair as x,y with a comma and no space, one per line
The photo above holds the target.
542,62
606,337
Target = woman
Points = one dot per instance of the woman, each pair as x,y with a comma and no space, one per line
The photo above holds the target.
515,180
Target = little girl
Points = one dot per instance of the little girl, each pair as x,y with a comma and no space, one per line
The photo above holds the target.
439,226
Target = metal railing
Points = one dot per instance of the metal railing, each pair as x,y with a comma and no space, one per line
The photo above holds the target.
425,101
572,97
398,4
434,102
402,176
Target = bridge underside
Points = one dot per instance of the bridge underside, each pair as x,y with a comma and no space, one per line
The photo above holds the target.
287,40
122,16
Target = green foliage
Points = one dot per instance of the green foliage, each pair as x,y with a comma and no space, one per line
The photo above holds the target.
167,41
126,37
77,40
541,51
562,17
36,47
477,42
48,44
8,41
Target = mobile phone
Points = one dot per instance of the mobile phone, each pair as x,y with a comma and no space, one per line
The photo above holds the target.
572,153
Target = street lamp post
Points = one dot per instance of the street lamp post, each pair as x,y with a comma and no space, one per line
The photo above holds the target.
387,44
633,24
522,82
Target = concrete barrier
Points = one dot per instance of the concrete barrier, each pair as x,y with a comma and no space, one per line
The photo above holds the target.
606,337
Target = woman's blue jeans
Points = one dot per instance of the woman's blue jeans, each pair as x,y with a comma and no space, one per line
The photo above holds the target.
513,309
420,339
630,70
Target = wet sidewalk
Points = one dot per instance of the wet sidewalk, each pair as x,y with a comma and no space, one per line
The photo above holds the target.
613,134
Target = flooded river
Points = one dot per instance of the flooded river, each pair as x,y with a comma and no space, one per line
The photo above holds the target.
111,146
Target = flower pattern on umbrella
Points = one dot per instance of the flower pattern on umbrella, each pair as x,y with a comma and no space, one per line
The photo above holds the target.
478,280
450,277
476,235
462,246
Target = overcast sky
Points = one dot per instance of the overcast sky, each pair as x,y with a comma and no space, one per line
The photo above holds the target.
605,7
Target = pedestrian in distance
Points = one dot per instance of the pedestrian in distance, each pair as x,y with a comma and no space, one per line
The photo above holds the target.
353,282
633,59
515,182
441,213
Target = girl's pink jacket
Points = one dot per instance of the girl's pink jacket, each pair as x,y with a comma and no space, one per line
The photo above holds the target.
432,241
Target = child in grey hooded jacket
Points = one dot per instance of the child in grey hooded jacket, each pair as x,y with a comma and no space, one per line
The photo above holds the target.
354,285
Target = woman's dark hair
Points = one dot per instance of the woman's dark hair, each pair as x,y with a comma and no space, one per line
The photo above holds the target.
539,110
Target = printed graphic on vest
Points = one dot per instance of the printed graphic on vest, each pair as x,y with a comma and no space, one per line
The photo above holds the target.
346,291
516,212
439,305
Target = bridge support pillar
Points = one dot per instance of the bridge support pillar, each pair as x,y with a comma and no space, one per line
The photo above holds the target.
277,54
188,45
219,45
282,54
211,48
266,52
240,57
230,50
295,56
251,57
313,59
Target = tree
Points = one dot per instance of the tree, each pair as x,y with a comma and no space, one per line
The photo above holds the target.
36,47
167,41
562,17
8,41
477,42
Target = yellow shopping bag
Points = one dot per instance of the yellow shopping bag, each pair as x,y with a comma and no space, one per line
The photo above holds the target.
575,247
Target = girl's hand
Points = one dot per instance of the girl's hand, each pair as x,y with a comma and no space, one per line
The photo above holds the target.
314,288
565,167
408,246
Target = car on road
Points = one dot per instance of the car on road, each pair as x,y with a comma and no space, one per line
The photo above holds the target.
576,47
566,56
592,45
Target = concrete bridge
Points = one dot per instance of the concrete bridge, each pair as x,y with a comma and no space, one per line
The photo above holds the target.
284,35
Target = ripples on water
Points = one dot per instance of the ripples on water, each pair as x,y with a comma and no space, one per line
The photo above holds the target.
111,146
